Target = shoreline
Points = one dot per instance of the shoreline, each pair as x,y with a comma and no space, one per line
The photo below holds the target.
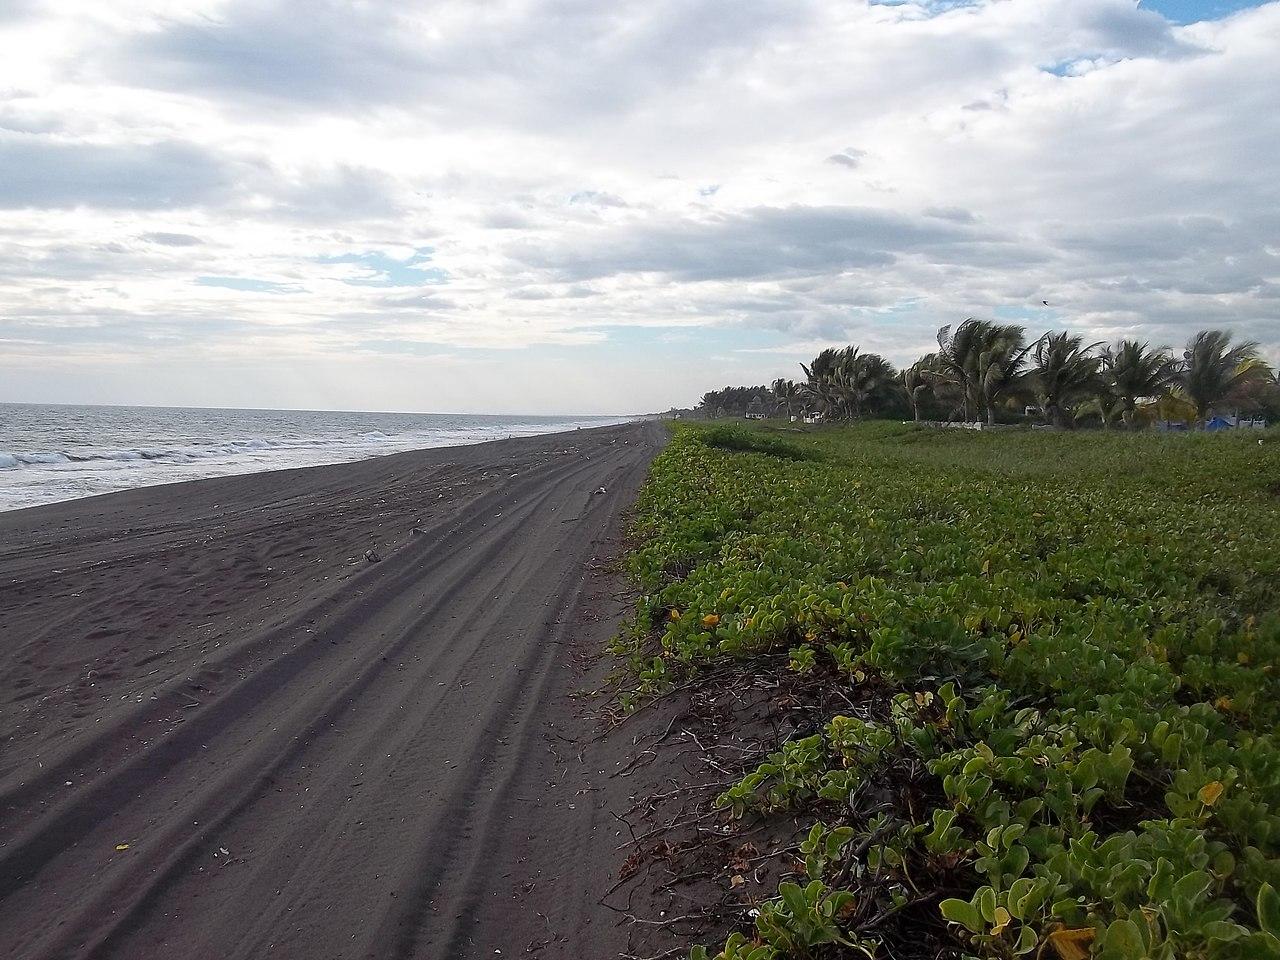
256,721
128,463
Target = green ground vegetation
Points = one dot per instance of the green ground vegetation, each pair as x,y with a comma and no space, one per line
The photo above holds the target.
1062,648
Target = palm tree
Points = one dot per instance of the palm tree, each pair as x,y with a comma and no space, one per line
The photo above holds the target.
845,383
823,365
818,396
916,381
1213,372
786,393
957,355
985,361
1001,365
1131,371
862,378
1064,372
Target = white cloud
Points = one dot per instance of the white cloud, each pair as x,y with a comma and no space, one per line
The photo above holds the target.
577,169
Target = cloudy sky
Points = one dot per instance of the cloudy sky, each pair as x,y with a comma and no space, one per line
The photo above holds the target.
585,207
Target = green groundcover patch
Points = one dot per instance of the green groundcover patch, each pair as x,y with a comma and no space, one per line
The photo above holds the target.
1063,646
732,437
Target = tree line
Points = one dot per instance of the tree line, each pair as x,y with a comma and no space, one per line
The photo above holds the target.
987,371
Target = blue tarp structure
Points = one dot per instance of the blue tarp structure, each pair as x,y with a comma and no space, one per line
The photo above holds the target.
1219,423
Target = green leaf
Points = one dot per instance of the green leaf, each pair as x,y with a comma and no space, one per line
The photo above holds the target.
1191,887
1123,941
1027,941
987,904
1269,909
962,912
1016,860
1223,930
793,897
1019,891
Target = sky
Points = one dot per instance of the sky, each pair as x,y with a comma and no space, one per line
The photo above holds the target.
566,206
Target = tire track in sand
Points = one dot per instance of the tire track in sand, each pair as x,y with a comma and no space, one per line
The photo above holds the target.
360,777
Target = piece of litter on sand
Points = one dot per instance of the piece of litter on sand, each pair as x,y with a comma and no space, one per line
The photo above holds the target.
602,490
372,556
122,846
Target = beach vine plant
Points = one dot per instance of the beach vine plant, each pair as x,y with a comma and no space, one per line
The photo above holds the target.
1061,651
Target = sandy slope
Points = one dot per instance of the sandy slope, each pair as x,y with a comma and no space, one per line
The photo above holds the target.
310,757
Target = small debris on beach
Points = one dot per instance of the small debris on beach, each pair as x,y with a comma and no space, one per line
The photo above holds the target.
372,556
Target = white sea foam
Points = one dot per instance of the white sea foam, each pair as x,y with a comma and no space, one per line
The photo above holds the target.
60,453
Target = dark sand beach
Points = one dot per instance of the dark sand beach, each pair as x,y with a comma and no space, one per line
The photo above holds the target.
227,734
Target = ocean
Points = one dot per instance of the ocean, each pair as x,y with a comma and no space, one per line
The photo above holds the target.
50,453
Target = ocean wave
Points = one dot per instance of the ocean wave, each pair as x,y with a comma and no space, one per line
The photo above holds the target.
187,453
48,454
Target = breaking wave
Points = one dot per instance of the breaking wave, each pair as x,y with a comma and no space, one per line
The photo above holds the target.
50,453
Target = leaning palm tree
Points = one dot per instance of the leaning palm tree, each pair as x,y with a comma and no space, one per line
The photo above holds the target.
983,360
860,379
823,365
845,383
1213,372
1000,366
818,394
1064,372
786,393
1132,371
958,353
917,380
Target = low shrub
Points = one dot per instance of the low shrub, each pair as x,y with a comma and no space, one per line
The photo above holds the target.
728,437
1063,650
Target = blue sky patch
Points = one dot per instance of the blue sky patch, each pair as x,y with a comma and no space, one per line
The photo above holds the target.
248,283
1177,11
1066,68
387,271
1193,11
932,7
